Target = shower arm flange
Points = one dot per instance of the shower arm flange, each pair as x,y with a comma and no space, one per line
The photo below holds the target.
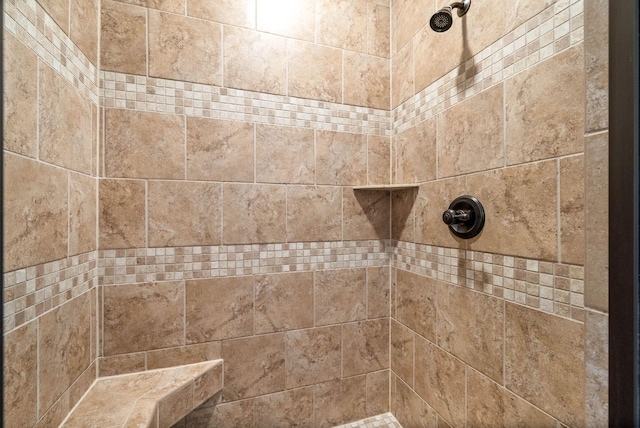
462,6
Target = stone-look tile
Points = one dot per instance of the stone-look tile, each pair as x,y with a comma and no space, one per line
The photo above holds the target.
440,381
20,97
121,364
340,401
56,413
411,410
238,414
469,321
314,71
366,80
241,13
35,213
175,6
544,362
123,38
265,222
342,24
402,76
393,393
341,158
255,61
378,292
407,17
121,214
544,112
378,30
284,155
144,316
365,214
159,149
596,293
219,308
572,195
64,124
314,213
82,213
189,354
96,143
219,150
436,54
378,160
82,384
340,296
20,381
403,204
377,393
597,368
84,27
432,200
520,204
470,135
64,344
596,51
285,409
59,11
291,18
283,302
253,366
172,408
184,213
489,404
417,153
365,347
402,347
312,356
182,48
416,303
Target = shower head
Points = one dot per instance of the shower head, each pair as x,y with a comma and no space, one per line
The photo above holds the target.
442,20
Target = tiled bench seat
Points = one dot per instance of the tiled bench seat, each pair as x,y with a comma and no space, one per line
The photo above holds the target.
150,399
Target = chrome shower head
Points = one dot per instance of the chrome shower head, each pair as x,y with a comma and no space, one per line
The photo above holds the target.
442,20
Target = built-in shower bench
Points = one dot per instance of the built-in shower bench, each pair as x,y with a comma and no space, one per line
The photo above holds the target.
153,399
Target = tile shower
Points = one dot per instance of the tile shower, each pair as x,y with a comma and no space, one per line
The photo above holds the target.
185,193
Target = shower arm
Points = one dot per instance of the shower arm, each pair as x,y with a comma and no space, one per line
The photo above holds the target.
462,6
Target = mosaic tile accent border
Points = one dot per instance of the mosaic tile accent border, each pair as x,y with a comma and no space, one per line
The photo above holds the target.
118,90
164,264
555,288
31,24
555,29
30,292
385,420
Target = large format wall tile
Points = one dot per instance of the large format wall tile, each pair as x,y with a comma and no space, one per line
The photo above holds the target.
264,222
283,302
312,356
219,150
378,392
341,158
175,6
432,200
416,303
285,409
411,410
59,11
314,213
82,213
20,97
470,135
159,146
342,23
544,362
402,76
365,347
121,214
84,27
408,17
237,414
295,19
378,30
596,51
334,302
182,48
596,368
417,153
284,155
314,71
255,61
366,80
403,218
378,160
340,401
545,109
144,316
241,13
35,212
184,213
123,38
378,292
219,308
64,124
572,195
64,343
365,214
470,326
20,380
402,355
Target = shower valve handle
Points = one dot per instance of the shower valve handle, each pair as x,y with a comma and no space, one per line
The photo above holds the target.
456,216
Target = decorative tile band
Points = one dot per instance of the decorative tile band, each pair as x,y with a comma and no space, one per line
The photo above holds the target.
30,23
555,29
551,287
142,93
163,264
30,292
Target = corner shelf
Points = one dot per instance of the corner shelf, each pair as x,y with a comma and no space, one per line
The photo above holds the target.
387,187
